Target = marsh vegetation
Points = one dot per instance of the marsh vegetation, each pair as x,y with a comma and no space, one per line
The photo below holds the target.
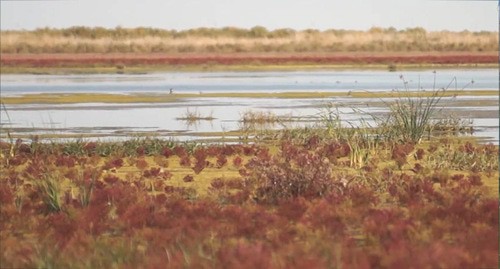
231,40
397,188
192,117
328,197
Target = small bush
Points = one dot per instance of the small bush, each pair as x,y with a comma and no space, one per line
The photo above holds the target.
304,174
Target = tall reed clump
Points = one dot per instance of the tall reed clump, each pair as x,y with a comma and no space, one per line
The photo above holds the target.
410,115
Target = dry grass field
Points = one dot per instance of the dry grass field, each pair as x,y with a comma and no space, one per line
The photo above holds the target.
113,50
231,40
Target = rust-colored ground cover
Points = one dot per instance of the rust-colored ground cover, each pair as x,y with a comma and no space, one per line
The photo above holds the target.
298,203
355,58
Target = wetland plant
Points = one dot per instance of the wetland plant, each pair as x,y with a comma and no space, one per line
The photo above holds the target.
411,115
192,117
259,117
50,189
291,194
258,123
453,125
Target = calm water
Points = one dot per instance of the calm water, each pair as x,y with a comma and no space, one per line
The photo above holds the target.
116,120
246,81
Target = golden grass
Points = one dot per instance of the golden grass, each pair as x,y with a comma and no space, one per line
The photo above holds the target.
201,182
216,40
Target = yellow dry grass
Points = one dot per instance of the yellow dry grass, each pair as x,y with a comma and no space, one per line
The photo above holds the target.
376,39
202,181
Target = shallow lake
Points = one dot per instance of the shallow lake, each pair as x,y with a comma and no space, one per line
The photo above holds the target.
125,120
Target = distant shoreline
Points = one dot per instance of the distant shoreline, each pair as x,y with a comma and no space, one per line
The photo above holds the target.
43,63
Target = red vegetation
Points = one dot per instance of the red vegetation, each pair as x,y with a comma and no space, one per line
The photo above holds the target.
400,153
221,161
237,161
188,178
114,59
113,163
141,164
292,209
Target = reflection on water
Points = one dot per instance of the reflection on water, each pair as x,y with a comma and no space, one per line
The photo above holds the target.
119,119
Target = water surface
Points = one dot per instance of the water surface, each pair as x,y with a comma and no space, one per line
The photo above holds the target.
117,120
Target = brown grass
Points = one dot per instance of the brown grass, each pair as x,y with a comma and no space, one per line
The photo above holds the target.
226,40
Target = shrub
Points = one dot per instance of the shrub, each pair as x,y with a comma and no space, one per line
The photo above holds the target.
303,174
